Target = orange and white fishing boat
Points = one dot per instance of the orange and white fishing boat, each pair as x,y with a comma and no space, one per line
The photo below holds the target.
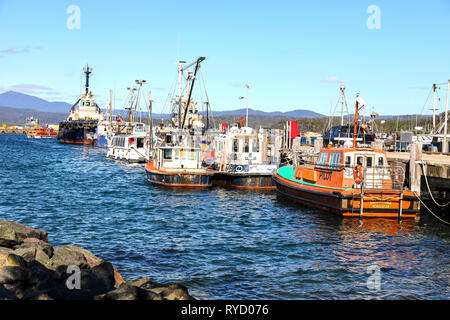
351,182
41,133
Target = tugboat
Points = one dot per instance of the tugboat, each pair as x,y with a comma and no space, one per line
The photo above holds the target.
350,181
81,124
177,161
242,160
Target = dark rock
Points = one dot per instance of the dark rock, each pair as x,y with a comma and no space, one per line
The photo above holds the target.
146,283
28,254
36,243
23,231
66,256
41,296
91,259
129,292
99,279
10,260
6,294
174,292
8,237
10,275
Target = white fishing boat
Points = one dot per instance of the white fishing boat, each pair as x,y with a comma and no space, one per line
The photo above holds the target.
242,160
177,162
129,141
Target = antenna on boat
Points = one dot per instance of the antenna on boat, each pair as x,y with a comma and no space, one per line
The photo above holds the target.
360,103
342,88
87,72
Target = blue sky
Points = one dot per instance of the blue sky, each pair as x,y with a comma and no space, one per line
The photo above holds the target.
293,54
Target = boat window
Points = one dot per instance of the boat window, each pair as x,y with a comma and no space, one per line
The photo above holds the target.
369,162
359,160
182,155
177,154
82,103
255,143
167,154
335,160
140,142
348,161
323,157
191,155
236,145
246,145
381,161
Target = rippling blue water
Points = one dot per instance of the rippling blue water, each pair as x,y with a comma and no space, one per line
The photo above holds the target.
222,244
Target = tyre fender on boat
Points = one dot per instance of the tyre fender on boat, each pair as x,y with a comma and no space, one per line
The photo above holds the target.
358,174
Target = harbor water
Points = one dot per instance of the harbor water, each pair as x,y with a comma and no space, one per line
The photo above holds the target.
221,244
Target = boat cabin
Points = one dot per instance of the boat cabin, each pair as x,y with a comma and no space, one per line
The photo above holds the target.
336,168
178,157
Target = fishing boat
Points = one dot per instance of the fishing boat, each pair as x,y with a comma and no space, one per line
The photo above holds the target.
350,181
178,159
81,124
129,141
132,147
242,160
42,133
178,167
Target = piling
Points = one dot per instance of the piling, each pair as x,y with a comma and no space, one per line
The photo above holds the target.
415,171
318,144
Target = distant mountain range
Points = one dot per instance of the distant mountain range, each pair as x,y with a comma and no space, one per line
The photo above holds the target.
19,100
15,107
18,116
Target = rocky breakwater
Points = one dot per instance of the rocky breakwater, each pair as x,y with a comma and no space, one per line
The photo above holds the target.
32,269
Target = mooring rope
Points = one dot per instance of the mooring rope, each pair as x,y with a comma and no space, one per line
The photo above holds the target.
429,190
415,193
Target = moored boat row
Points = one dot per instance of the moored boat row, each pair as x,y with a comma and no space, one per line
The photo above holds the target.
348,180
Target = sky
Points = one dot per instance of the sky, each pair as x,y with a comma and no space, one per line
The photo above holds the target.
292,54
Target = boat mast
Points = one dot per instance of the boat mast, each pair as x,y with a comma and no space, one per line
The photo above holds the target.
180,79
197,66
360,103
434,107
151,119
444,142
110,111
88,72
139,83
343,104
246,119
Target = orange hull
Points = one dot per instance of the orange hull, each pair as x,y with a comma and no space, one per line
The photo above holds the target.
347,202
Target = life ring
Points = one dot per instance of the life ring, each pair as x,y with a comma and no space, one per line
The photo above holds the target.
238,168
358,174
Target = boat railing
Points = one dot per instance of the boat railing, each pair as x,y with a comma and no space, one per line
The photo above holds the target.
386,178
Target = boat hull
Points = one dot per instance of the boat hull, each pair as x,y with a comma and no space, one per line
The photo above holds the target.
77,132
246,181
101,142
179,179
376,203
